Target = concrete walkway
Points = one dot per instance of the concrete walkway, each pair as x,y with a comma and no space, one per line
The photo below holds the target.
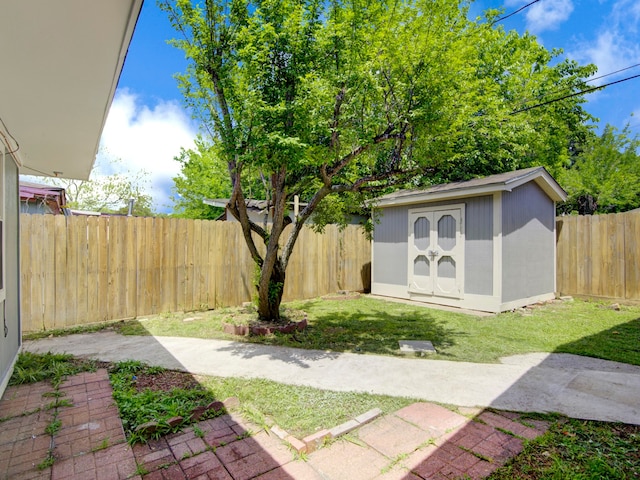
579,387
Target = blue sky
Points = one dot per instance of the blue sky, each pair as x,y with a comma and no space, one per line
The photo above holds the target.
147,124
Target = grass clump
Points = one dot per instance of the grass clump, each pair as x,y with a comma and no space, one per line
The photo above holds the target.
138,406
34,367
299,410
578,449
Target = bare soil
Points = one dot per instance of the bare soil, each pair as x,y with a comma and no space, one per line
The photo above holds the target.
166,381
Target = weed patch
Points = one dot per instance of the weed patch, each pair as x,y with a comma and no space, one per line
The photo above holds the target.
54,367
578,449
139,406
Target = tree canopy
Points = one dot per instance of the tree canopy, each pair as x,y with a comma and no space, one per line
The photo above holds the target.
327,98
605,176
107,193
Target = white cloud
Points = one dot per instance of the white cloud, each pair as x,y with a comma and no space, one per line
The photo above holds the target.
615,46
548,15
147,139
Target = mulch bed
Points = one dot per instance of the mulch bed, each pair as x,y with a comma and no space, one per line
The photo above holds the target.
166,381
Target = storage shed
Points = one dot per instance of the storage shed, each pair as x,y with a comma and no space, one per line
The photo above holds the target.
485,244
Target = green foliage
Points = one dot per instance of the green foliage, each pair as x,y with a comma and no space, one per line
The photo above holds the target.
33,367
53,427
107,193
326,98
204,175
605,176
49,460
138,407
578,449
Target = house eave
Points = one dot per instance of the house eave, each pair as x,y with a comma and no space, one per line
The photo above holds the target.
63,61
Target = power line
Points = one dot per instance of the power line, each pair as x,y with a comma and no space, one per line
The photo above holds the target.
499,19
568,87
588,90
613,73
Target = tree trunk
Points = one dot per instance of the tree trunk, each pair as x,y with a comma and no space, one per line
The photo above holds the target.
269,299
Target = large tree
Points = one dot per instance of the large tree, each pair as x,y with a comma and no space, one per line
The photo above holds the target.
326,98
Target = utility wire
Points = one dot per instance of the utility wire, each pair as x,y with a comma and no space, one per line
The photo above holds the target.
499,19
588,90
613,73
569,87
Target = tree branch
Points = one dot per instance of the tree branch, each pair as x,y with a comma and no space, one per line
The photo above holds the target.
344,161
238,208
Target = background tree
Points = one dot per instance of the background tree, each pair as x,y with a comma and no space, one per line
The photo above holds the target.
605,176
204,175
329,98
109,193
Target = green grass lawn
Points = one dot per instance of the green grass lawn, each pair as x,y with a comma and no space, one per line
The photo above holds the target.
368,325
578,450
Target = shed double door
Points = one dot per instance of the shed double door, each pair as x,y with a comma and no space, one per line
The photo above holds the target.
436,251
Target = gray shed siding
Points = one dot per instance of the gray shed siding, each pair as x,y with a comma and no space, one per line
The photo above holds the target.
10,336
478,257
528,243
390,249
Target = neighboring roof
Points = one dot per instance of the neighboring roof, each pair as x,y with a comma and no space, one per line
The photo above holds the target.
504,182
222,203
260,205
54,197
61,63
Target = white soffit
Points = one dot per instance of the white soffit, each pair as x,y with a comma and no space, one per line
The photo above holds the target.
60,62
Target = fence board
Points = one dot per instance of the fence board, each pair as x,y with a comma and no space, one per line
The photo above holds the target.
82,278
130,270
599,256
93,270
632,258
103,269
29,295
60,259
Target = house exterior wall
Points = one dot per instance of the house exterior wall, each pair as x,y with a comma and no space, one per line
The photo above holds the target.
10,334
528,244
390,248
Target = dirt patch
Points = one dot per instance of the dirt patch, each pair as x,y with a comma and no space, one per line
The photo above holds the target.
342,295
166,381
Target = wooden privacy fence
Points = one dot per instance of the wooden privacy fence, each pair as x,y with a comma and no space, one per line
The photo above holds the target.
599,256
80,270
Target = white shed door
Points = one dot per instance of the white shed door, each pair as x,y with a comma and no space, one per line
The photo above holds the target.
436,251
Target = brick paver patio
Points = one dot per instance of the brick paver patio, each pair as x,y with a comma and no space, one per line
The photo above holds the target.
421,441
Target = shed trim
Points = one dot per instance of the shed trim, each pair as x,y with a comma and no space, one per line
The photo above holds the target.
476,187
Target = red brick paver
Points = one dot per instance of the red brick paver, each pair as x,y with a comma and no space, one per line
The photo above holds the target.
426,441
421,441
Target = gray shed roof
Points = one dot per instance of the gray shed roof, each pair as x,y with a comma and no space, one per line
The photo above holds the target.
478,186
